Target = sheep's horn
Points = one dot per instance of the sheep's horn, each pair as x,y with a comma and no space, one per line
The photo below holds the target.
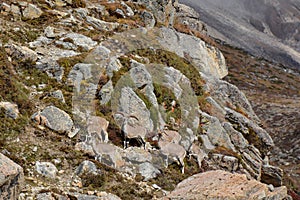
134,117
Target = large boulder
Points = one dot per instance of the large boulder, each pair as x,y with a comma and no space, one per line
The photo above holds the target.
11,109
55,119
32,12
224,185
11,178
255,134
207,59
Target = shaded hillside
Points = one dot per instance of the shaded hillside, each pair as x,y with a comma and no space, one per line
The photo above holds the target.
264,28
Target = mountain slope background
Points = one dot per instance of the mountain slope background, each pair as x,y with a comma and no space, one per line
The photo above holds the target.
264,28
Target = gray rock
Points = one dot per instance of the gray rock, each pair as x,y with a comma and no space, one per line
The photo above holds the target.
272,175
40,42
148,18
52,33
252,161
120,13
236,137
21,52
162,10
45,196
226,94
82,13
139,74
131,104
148,171
227,163
136,155
207,59
143,80
216,133
101,196
11,178
4,8
224,185
206,144
58,95
190,18
106,92
129,11
16,11
80,40
55,119
32,12
48,60
65,45
11,110
251,131
86,167
101,25
78,73
46,169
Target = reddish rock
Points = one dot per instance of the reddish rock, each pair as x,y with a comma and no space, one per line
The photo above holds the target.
11,178
224,185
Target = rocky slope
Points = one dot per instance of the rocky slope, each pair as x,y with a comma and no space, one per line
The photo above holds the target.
108,100
268,29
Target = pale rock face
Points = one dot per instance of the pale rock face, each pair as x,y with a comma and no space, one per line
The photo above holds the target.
46,169
11,178
79,40
11,110
21,52
55,119
224,185
131,104
208,59
32,12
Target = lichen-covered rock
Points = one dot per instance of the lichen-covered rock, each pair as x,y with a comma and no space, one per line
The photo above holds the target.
131,104
148,19
78,40
250,130
216,133
101,25
46,169
11,178
272,175
164,11
207,59
32,12
11,110
86,167
47,62
224,185
79,72
148,171
55,119
22,53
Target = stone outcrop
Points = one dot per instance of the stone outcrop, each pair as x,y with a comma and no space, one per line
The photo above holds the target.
11,178
208,59
11,110
224,185
55,119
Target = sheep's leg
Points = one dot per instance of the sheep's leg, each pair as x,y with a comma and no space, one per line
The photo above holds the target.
167,161
182,165
98,158
124,143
